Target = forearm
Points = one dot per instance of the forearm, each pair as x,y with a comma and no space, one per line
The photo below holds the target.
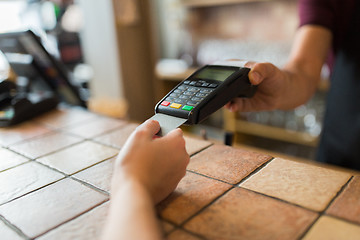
303,70
131,215
300,85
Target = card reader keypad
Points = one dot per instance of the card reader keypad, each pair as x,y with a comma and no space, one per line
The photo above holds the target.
189,94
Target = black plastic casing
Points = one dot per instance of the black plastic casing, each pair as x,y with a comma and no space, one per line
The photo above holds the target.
236,85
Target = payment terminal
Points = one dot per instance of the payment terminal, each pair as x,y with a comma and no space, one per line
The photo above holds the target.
204,92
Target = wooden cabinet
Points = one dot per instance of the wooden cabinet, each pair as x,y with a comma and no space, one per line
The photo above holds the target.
137,50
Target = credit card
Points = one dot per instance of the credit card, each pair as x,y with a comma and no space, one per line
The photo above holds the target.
167,123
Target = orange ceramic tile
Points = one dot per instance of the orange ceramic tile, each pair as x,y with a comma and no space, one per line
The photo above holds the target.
45,144
181,235
309,186
40,211
192,194
333,229
63,117
95,127
118,137
85,227
99,175
194,145
227,164
7,233
347,205
25,178
10,159
78,157
22,132
242,214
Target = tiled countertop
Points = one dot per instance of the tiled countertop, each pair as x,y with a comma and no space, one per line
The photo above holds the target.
55,176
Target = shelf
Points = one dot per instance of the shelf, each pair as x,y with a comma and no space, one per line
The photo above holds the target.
211,3
177,77
255,129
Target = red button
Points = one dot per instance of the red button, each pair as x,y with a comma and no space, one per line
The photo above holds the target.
165,103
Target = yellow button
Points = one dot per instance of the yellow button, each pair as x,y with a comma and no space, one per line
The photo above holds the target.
175,105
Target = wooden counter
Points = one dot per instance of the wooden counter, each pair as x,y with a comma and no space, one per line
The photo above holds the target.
55,176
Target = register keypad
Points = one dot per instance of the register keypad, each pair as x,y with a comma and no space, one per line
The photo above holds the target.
189,94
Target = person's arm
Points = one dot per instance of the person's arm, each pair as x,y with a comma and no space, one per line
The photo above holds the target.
131,214
146,171
294,84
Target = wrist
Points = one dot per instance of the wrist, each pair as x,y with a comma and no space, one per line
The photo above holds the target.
131,208
129,186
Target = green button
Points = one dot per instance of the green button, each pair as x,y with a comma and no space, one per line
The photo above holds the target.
187,108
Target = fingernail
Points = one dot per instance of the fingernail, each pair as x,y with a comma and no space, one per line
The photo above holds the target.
255,78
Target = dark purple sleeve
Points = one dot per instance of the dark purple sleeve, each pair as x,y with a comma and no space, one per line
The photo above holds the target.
334,15
317,12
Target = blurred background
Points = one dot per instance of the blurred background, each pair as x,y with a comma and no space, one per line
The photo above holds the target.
127,54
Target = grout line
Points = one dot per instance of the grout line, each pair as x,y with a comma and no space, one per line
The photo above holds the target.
206,206
61,149
323,213
14,228
338,193
65,176
71,176
95,164
47,154
256,170
170,232
20,154
32,191
52,131
73,124
63,131
279,199
68,132
18,165
309,227
89,185
93,138
108,131
234,184
177,227
201,150
51,168
209,177
106,144
191,233
70,219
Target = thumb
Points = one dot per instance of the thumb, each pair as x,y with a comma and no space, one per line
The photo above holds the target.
255,77
175,135
259,71
149,127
